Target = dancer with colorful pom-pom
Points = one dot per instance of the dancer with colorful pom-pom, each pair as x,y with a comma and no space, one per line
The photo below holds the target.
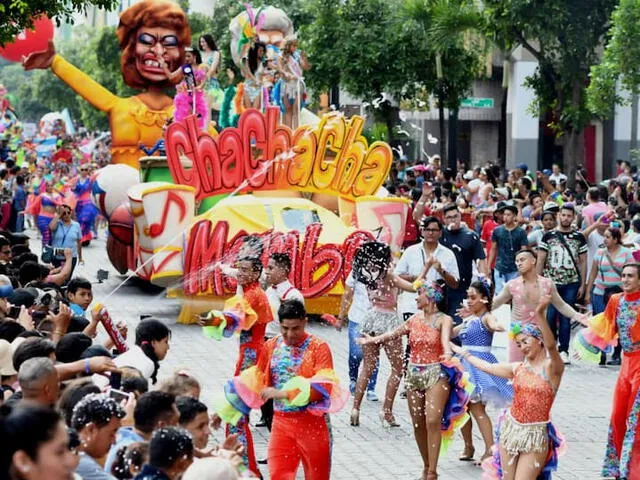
295,369
248,313
527,444
620,324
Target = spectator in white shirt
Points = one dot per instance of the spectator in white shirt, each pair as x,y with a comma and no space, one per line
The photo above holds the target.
443,264
557,175
594,234
279,290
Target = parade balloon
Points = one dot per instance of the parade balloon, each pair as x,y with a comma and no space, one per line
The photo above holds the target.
29,41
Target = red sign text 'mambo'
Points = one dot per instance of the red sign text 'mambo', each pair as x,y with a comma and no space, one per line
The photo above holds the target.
332,157
209,244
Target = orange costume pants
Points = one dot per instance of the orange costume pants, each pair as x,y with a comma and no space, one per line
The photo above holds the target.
622,459
299,437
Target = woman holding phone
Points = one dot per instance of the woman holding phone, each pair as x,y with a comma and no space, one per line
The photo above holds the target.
66,233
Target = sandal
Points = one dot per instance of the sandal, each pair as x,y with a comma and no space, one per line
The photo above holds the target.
467,454
387,419
355,418
478,463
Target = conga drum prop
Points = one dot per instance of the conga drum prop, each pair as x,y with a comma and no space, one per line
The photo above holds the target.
110,187
169,212
142,241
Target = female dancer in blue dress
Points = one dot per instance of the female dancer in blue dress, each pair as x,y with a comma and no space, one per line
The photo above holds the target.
476,334
86,211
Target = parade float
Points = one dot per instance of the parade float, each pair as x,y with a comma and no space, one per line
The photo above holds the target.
174,246
178,219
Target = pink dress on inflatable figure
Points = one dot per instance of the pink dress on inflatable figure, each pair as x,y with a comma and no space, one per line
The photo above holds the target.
190,98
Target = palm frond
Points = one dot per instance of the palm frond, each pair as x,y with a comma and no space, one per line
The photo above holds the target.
452,20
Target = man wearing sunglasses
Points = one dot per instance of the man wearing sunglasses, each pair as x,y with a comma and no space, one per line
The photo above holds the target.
66,233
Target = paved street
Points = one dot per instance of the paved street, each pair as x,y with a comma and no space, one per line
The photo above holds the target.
370,451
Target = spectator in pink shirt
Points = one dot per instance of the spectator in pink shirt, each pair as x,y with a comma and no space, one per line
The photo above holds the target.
595,205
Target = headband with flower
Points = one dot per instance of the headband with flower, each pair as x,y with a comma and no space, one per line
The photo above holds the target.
529,329
433,291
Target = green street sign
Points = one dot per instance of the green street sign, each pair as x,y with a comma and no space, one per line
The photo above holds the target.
475,102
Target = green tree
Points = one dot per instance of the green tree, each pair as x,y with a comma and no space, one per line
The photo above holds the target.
563,36
619,63
320,39
18,15
448,55
366,55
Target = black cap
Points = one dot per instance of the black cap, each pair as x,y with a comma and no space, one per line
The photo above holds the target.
96,351
71,347
22,296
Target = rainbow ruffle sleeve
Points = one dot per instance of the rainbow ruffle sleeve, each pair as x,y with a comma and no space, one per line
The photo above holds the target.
321,393
237,315
455,411
600,336
241,395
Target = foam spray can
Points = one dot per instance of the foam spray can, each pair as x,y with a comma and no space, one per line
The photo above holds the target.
118,340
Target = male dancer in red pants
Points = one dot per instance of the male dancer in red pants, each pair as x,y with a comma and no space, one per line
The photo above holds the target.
621,321
251,342
296,371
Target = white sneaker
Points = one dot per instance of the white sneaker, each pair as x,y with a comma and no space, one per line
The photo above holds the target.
565,358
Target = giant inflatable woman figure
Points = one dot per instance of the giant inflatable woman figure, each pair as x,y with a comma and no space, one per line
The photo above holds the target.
147,30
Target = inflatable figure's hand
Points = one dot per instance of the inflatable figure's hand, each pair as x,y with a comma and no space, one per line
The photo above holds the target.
42,59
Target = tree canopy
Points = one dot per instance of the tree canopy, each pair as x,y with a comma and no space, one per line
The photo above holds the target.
19,15
620,61
564,37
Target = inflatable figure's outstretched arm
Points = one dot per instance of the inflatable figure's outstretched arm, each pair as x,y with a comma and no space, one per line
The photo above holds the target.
83,84
80,82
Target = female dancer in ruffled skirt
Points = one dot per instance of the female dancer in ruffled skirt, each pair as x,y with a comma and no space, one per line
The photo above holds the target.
527,444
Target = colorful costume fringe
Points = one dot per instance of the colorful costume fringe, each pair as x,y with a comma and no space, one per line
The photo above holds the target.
228,117
236,316
86,211
455,413
619,322
492,466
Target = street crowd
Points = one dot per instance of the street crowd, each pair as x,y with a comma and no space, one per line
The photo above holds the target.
561,252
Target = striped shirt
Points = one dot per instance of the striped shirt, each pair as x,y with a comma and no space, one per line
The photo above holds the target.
608,274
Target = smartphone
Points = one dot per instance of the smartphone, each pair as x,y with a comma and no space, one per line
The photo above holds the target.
118,395
115,380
